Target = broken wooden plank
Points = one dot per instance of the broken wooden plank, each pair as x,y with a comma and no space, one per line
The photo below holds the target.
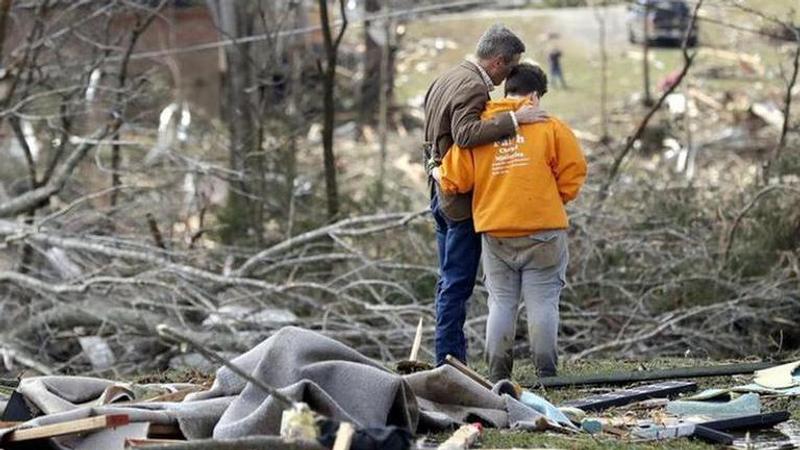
417,342
625,396
68,427
344,436
463,438
246,443
412,364
461,367
653,375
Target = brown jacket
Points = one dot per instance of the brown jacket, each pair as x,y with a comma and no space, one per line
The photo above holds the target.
453,106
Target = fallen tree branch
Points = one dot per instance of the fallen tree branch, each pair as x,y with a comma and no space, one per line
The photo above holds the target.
35,197
340,227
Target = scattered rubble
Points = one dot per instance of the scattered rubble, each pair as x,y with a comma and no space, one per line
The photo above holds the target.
313,405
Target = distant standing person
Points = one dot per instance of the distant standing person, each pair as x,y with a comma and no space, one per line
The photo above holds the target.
556,72
453,106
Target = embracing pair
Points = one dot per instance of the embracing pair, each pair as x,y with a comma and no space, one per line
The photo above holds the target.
501,172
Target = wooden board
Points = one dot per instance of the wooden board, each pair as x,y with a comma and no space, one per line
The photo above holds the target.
344,436
463,438
461,367
626,396
417,342
69,427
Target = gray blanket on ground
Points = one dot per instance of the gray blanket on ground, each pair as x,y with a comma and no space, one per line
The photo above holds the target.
330,377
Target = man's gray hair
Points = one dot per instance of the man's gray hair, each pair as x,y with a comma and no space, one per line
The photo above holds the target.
499,41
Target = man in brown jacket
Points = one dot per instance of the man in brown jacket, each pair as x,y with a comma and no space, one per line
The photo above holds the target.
453,106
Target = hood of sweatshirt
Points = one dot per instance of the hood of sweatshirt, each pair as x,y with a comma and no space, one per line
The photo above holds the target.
494,107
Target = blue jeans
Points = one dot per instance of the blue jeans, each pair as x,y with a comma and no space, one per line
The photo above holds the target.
459,257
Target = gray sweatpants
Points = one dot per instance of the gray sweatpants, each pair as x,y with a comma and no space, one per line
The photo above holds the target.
531,268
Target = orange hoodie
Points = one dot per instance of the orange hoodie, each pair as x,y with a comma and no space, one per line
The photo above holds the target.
520,184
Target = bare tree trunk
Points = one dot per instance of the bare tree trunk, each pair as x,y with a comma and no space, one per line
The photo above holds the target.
688,60
691,149
648,99
787,102
601,19
5,7
384,104
141,25
329,108
373,56
234,21
297,50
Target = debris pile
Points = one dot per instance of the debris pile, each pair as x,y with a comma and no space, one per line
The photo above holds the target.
299,389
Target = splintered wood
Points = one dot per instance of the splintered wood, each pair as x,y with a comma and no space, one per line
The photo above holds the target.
65,428
463,438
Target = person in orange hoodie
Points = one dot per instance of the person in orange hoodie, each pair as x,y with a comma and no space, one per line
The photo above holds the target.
520,186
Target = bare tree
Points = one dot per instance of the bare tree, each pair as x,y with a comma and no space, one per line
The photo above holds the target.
600,11
688,60
791,30
143,20
370,82
647,99
329,107
236,20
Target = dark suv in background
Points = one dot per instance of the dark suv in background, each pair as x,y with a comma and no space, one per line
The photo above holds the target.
667,21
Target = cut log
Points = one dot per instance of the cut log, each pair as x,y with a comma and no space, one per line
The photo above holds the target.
65,428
